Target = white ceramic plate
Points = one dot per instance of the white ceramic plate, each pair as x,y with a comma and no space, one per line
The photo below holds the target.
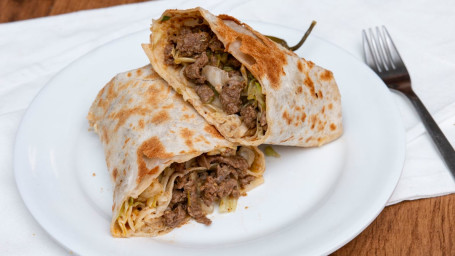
313,200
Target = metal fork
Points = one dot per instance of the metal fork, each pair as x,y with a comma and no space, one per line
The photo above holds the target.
383,57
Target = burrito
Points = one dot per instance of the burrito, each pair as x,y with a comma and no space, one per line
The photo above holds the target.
167,164
250,88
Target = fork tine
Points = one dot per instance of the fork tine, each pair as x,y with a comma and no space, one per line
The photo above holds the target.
375,46
381,50
368,53
395,56
385,48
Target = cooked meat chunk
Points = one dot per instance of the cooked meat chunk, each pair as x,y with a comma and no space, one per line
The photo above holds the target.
215,44
229,187
246,180
229,152
209,191
205,93
213,61
176,217
235,74
237,162
194,203
233,62
193,71
249,116
177,197
180,182
223,171
190,44
178,167
230,96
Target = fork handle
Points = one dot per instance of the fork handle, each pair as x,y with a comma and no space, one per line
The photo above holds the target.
443,145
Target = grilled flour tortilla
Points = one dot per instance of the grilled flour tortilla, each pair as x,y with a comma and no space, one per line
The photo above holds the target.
251,89
167,163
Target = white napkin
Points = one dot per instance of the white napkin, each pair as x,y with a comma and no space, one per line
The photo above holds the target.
33,51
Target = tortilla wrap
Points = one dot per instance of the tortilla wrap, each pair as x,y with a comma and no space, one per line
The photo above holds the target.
303,103
145,127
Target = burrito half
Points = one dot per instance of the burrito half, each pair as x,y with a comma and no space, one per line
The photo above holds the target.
251,89
167,164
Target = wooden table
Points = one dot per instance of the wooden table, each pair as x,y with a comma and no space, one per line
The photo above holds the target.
420,227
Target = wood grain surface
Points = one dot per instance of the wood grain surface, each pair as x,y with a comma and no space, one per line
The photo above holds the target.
421,227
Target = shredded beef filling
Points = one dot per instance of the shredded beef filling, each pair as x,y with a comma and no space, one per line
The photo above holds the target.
224,177
202,46
249,115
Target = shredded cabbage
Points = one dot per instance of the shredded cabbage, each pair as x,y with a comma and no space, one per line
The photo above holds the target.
269,151
228,204
180,60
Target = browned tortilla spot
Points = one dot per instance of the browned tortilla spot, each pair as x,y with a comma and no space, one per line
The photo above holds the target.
124,171
187,117
115,173
187,134
308,139
287,117
139,72
309,83
323,109
212,131
151,76
313,121
170,106
299,66
153,96
123,86
330,106
320,94
129,74
141,124
326,75
153,148
303,117
123,115
111,92
333,127
320,126
160,117
102,104
202,138
310,64
154,170
125,143
299,89
287,139
105,137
